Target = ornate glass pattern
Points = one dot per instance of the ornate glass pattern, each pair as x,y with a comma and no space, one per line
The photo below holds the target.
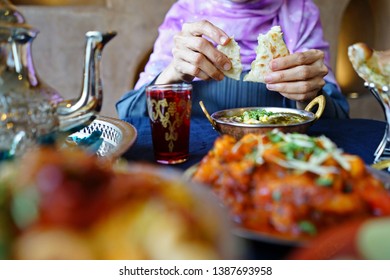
171,116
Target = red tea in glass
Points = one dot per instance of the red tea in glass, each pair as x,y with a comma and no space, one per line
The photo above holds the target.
169,108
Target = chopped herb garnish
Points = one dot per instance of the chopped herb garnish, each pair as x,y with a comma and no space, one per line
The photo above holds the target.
275,137
276,195
255,115
290,150
307,227
252,156
24,207
324,181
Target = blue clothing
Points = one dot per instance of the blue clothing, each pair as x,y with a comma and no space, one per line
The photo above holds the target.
230,93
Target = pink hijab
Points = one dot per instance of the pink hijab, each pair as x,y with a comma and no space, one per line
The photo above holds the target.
299,20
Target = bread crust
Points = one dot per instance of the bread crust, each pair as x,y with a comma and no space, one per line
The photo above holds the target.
270,46
371,65
232,51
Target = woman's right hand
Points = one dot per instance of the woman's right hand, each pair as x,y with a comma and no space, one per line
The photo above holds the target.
195,56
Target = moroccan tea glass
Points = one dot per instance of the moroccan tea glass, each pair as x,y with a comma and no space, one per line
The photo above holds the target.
169,109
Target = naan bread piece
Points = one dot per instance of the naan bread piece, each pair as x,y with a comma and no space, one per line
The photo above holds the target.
371,65
270,45
232,51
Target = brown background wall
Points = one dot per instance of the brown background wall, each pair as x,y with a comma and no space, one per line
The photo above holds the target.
59,48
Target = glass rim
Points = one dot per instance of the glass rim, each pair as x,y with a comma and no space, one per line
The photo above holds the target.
170,86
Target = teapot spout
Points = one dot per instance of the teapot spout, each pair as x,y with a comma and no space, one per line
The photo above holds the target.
90,100
107,37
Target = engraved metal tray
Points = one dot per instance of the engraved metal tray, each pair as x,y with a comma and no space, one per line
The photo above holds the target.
118,136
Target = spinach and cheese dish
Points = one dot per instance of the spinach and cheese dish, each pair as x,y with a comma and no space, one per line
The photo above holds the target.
263,116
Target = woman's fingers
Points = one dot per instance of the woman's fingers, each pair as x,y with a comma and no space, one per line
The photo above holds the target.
195,64
196,56
297,59
298,76
297,67
300,87
189,71
202,51
298,73
208,29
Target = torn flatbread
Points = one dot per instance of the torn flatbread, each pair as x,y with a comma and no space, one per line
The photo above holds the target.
371,65
232,51
270,46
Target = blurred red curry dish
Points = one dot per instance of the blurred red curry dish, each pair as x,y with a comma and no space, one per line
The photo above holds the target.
291,185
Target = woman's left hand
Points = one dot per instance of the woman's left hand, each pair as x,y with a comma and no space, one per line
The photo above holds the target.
298,76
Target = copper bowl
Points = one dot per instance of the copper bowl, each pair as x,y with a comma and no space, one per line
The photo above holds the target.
237,130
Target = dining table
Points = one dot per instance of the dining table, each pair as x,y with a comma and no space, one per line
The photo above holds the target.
354,136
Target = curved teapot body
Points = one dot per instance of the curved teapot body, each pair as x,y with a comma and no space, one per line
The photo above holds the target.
27,105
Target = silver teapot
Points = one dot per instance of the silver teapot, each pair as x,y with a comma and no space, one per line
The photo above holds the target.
29,108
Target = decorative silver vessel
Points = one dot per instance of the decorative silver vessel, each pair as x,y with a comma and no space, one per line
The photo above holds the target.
383,96
29,108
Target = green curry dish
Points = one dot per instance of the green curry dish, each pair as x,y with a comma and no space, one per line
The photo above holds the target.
256,115
263,116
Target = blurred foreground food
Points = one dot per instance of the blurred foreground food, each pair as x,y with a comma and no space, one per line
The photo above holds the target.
65,204
355,240
291,185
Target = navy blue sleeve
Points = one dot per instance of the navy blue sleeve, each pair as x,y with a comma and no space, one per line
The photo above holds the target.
133,103
337,106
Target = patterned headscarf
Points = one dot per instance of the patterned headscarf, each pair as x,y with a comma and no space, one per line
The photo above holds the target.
299,20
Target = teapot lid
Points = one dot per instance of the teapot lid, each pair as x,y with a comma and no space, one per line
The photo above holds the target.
13,23
9,14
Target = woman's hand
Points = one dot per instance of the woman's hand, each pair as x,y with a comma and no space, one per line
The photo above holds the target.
195,56
299,76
